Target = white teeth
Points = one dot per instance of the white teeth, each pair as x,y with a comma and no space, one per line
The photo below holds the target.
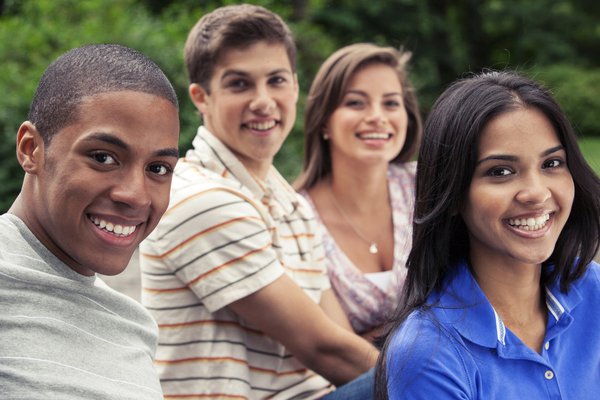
529,224
374,135
261,126
120,230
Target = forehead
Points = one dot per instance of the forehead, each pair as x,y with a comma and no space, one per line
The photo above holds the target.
518,131
262,55
140,119
376,75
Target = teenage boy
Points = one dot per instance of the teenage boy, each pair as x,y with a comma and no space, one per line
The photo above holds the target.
234,273
98,151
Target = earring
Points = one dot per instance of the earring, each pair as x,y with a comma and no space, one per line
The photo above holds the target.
325,136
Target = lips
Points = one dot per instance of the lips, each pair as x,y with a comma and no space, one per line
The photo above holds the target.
115,229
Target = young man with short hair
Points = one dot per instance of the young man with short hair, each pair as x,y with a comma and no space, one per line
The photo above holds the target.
98,151
234,273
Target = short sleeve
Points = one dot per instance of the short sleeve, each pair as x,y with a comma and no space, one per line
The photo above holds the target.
216,242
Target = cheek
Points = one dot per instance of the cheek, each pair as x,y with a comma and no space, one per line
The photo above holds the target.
160,198
566,193
482,210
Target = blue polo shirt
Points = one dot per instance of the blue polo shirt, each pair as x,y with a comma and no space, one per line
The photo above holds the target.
460,349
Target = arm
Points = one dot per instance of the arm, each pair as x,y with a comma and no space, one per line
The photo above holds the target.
285,313
331,306
373,333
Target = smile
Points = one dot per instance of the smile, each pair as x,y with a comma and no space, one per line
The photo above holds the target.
261,126
374,136
116,229
529,224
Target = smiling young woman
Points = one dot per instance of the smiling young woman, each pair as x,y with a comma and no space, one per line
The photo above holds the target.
501,285
362,126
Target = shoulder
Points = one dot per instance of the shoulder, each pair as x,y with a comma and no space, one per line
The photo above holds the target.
402,177
425,355
406,170
209,210
589,284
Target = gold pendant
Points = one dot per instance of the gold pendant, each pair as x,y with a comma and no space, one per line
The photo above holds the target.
373,248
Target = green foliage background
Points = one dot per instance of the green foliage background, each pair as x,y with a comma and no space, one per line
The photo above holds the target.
555,41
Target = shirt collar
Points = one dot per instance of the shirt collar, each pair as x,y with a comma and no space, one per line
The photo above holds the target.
273,191
463,304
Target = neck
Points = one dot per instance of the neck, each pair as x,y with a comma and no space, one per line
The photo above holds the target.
516,294
360,191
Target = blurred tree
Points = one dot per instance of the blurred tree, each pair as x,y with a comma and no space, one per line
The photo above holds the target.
556,41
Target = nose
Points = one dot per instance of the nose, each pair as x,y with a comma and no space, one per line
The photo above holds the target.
263,101
376,115
534,190
132,190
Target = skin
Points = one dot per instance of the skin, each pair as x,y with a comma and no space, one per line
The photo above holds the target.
251,107
257,85
112,164
521,174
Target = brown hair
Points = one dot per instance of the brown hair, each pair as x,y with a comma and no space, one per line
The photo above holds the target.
326,94
230,27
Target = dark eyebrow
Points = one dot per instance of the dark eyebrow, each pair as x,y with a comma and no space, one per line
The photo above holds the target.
364,94
237,72
170,152
513,158
115,141
553,150
108,138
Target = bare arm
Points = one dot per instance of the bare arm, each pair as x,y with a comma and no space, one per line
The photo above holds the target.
331,306
285,313
333,309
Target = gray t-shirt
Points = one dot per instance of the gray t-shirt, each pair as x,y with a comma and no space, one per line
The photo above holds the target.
64,335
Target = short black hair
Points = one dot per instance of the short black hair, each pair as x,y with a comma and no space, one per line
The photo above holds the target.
90,70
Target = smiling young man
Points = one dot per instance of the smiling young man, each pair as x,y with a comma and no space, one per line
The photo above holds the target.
234,273
98,151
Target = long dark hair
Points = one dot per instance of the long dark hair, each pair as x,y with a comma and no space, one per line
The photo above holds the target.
446,163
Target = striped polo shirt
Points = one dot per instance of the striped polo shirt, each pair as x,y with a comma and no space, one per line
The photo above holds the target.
226,235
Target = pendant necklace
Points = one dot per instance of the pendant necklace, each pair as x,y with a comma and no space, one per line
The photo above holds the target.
372,245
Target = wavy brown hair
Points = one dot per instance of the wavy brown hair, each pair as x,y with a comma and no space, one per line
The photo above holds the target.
327,92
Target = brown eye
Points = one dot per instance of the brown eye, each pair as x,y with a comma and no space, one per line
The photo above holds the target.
103,158
499,172
554,163
160,169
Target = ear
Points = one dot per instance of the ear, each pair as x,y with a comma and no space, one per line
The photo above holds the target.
30,148
199,97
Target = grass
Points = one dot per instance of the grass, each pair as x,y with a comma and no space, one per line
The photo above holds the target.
590,147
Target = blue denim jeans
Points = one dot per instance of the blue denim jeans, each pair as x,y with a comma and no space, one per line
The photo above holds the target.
361,388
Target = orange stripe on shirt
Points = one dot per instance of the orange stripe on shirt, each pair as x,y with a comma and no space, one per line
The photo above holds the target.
306,235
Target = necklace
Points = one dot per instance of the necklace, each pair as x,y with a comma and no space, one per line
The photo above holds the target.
372,245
